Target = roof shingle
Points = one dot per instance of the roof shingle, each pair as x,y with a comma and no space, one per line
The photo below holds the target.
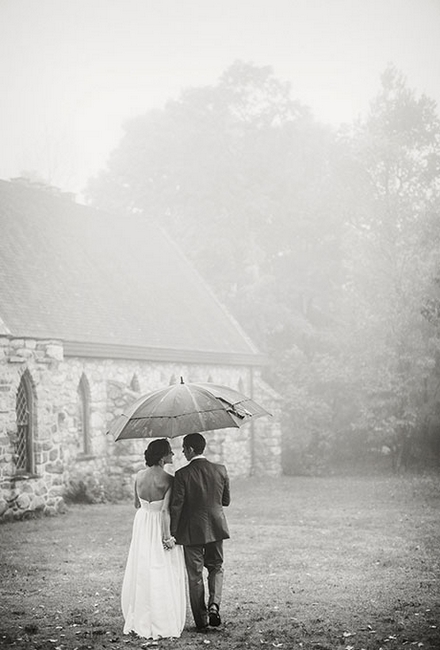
70,272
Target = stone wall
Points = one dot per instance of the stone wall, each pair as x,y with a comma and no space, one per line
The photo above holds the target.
44,488
60,460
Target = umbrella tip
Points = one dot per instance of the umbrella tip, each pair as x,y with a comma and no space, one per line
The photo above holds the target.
181,380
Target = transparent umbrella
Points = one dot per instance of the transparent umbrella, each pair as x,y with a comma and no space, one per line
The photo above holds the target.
185,408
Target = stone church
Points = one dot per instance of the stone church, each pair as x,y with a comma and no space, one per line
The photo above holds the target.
96,310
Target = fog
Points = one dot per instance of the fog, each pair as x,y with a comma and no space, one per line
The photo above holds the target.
331,195
73,72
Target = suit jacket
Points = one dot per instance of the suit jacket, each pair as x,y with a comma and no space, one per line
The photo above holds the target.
200,490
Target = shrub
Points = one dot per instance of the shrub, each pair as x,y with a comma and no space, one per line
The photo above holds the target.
93,490
86,490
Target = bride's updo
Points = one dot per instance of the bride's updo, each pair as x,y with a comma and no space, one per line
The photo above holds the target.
156,450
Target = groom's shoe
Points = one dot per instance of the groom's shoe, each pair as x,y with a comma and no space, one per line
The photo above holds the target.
202,624
214,615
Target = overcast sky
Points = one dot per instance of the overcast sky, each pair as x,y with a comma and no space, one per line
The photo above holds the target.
71,71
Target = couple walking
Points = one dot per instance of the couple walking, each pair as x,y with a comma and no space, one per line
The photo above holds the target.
180,521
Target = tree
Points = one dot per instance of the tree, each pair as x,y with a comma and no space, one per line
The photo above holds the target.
394,260
318,242
238,174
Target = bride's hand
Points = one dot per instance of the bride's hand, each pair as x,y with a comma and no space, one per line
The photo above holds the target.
169,543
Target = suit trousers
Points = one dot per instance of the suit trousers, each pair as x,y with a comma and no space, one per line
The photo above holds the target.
196,558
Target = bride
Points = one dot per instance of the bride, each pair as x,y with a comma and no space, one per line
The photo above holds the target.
153,590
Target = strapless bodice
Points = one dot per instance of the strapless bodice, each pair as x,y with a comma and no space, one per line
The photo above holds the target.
151,506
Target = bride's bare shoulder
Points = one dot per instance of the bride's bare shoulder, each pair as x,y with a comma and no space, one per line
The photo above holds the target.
168,478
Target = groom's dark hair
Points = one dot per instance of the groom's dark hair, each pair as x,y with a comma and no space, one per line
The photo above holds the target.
196,441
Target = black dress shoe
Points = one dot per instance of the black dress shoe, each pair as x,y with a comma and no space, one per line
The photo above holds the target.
214,615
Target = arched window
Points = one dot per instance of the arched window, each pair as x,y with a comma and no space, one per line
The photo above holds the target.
24,453
83,415
134,384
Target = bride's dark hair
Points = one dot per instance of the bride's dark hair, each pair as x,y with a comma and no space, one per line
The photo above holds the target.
156,450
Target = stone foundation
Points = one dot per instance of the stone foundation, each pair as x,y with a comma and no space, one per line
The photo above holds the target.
25,496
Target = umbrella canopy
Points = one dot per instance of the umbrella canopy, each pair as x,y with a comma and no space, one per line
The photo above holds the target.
185,408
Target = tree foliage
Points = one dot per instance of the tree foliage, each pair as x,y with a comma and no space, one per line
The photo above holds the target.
397,151
323,244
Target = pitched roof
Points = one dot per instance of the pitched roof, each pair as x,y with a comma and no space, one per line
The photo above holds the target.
105,283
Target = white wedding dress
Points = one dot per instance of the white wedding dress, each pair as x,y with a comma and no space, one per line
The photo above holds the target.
153,590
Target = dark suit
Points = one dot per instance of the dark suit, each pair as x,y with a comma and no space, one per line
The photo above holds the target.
200,490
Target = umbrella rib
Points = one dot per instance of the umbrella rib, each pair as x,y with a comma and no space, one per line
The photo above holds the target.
180,415
194,401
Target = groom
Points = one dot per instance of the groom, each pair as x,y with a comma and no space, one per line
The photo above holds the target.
200,490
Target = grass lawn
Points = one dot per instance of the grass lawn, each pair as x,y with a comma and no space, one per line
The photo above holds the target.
312,563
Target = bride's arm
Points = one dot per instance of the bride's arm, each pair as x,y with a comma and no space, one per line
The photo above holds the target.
167,539
137,503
